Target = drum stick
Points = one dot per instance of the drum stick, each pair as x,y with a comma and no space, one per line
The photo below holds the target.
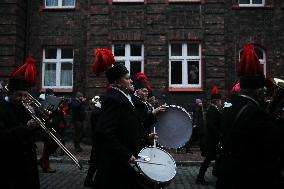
155,140
149,162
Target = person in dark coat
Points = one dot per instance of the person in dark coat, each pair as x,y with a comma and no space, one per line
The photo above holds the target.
251,138
212,135
18,151
119,135
78,117
197,126
96,112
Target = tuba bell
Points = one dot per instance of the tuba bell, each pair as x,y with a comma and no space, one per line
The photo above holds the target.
277,96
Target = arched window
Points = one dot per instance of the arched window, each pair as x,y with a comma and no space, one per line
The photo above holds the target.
261,55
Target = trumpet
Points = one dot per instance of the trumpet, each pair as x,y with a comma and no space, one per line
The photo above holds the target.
277,95
35,107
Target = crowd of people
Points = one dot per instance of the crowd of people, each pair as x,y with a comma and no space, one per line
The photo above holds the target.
242,133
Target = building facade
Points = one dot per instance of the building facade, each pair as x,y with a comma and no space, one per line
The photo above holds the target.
185,47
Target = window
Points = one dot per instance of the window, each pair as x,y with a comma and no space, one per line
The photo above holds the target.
57,68
185,65
59,4
261,55
131,55
251,3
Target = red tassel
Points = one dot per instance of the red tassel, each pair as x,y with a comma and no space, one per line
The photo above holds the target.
29,71
104,59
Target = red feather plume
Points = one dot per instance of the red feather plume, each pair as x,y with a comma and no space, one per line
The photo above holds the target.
103,60
249,63
235,89
214,90
141,77
29,70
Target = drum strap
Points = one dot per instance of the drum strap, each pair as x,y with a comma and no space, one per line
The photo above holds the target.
234,125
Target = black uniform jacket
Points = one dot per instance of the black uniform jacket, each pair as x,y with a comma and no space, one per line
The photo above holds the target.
118,136
212,134
251,146
18,155
145,113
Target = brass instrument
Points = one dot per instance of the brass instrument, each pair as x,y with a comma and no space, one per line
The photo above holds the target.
277,96
33,106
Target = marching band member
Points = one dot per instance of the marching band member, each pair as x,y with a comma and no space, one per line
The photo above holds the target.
18,151
143,107
250,138
212,134
119,135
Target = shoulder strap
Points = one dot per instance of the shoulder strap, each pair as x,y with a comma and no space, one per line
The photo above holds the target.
235,122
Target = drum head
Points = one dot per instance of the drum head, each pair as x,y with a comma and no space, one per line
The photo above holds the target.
174,127
160,167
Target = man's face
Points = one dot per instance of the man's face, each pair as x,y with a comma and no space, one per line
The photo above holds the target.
142,93
19,96
125,84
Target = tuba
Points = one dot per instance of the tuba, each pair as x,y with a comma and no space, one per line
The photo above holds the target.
277,96
43,114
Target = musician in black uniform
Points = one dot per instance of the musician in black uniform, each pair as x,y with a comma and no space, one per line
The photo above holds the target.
251,140
143,107
212,134
18,151
119,135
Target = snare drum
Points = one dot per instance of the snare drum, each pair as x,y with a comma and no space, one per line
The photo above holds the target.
156,165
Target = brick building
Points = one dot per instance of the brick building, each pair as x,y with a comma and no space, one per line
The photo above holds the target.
185,47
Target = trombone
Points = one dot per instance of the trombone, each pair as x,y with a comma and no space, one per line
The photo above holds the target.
45,114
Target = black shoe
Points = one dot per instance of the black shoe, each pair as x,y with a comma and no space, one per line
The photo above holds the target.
88,183
201,181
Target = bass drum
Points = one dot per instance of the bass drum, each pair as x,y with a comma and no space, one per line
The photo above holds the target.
174,127
157,166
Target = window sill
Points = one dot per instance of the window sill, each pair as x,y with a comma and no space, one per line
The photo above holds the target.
58,9
58,90
184,1
179,89
237,7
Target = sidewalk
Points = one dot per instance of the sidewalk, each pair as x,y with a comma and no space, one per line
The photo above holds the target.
180,157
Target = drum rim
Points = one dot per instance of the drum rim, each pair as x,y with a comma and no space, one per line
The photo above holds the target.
140,170
188,114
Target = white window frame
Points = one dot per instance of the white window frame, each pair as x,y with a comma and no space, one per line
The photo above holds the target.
123,1
261,61
127,58
59,6
58,62
251,4
184,58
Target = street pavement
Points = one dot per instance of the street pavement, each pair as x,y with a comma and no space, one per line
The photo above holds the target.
69,176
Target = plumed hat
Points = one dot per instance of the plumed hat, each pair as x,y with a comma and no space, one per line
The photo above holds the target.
141,81
250,70
23,77
215,93
104,62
